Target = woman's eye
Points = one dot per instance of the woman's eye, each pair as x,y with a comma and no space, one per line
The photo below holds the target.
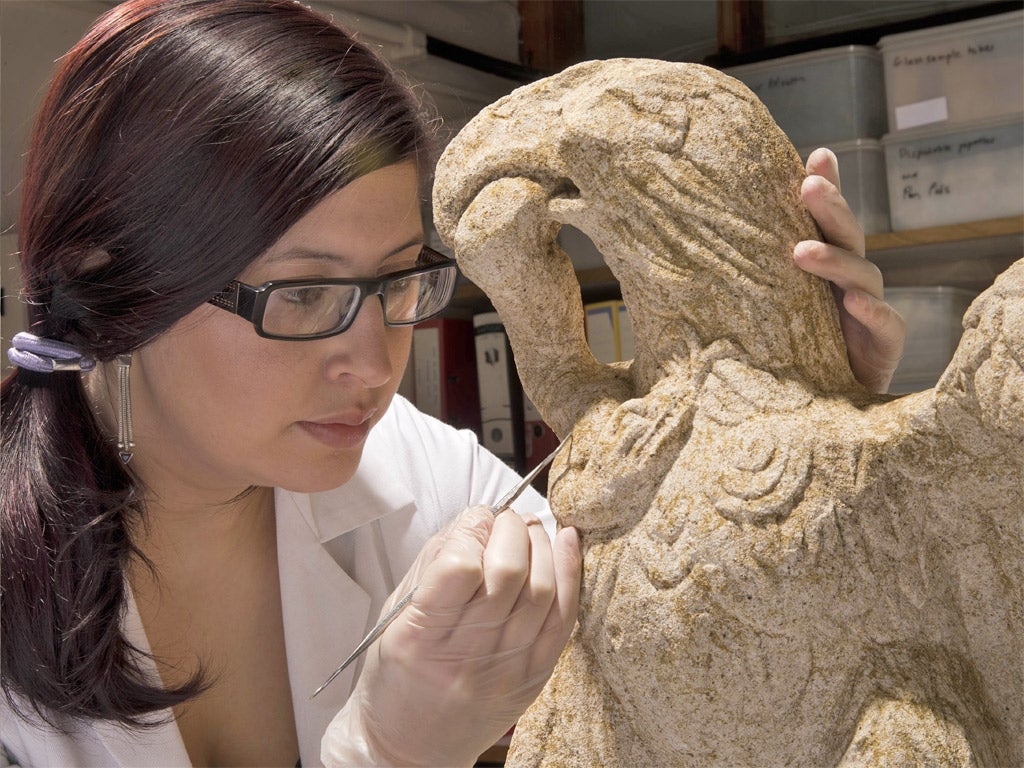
304,297
402,286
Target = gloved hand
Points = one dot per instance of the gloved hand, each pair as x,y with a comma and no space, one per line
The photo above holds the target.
495,605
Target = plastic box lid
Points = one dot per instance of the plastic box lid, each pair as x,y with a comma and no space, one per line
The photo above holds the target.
810,57
950,129
952,173
959,29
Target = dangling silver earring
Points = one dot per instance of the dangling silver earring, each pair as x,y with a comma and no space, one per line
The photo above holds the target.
125,436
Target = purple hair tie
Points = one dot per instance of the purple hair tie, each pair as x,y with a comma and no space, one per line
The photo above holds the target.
47,355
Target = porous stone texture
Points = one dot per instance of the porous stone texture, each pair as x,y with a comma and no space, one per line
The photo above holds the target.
779,568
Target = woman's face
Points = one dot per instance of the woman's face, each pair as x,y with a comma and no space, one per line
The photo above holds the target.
219,408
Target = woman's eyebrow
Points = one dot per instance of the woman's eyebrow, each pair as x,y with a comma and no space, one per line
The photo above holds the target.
310,254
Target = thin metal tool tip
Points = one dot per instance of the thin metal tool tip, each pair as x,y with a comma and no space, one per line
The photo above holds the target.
378,630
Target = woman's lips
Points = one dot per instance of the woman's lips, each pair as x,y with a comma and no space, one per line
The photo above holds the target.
350,433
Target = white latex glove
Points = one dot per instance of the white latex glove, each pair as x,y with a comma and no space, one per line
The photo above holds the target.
496,603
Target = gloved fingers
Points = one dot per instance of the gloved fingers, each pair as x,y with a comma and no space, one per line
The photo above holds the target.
885,325
492,602
484,604
533,602
830,210
844,269
462,667
534,659
505,564
455,574
875,333
481,567
506,567
823,162
471,523
567,559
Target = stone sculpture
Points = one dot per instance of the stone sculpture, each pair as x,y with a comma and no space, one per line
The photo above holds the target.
780,569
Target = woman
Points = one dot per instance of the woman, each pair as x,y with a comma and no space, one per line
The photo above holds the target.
211,495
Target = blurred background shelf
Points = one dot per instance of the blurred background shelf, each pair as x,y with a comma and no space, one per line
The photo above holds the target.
968,255
989,228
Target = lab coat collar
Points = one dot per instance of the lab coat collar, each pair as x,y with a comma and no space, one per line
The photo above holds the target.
326,613
374,491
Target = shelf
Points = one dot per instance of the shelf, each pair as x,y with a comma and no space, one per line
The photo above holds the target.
1011,225
967,255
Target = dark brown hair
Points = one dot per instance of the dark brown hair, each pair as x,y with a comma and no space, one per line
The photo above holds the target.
178,140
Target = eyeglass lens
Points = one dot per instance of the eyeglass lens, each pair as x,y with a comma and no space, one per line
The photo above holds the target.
311,310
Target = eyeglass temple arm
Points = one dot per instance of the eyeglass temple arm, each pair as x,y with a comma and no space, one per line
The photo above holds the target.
236,297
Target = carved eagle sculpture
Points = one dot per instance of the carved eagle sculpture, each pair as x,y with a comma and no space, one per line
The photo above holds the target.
780,568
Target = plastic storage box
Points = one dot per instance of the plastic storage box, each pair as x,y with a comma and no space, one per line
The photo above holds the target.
864,182
826,96
960,72
934,317
949,174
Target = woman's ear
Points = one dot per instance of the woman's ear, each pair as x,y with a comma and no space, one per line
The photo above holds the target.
89,260
93,259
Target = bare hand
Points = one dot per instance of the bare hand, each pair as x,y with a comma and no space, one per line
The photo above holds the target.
873,330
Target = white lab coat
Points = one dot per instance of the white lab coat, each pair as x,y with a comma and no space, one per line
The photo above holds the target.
340,554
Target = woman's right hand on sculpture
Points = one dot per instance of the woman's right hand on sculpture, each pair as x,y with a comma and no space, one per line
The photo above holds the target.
495,605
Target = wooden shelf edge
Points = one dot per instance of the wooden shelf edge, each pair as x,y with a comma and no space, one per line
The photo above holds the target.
883,241
877,243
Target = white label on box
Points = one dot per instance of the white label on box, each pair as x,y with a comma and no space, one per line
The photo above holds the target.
921,113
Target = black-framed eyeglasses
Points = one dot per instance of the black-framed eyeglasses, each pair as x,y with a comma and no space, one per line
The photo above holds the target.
300,310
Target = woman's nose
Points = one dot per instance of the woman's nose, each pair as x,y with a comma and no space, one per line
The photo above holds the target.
362,351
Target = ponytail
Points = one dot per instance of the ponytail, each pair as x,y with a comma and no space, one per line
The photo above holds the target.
68,507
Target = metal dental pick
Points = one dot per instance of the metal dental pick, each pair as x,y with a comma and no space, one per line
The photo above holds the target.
500,506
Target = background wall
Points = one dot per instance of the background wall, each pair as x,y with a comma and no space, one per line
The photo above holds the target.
35,33
687,31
